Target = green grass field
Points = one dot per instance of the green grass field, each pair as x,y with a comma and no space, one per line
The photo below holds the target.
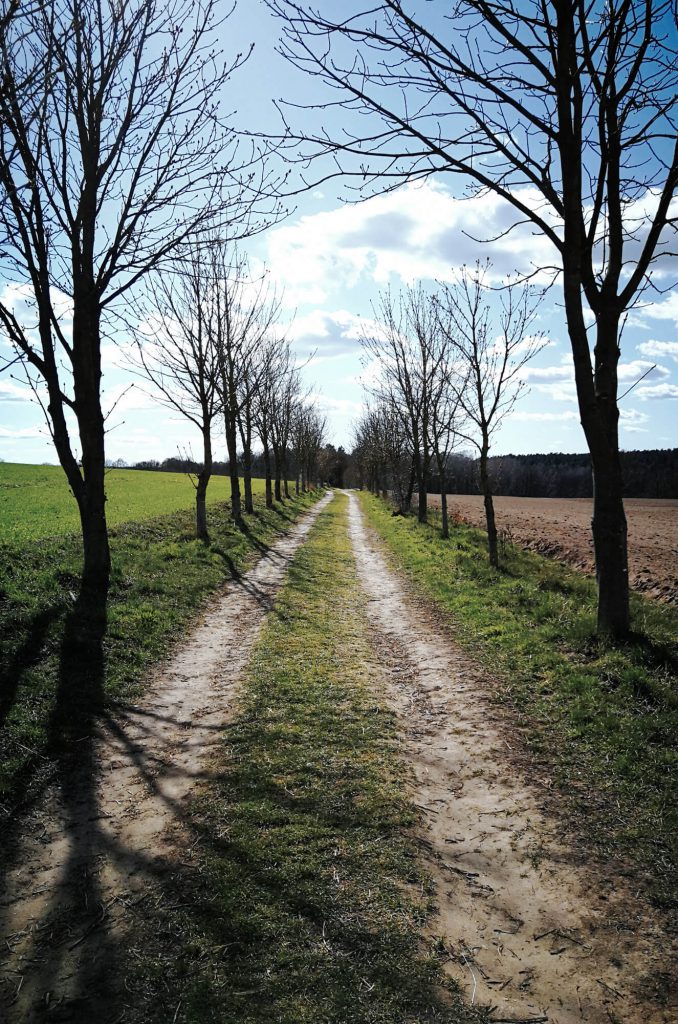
35,501
160,576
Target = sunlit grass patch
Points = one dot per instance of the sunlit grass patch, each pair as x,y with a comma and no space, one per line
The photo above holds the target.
35,501
160,576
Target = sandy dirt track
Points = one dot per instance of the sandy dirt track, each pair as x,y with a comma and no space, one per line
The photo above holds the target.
86,857
529,929
561,527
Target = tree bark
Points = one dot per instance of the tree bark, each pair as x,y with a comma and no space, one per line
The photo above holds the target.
486,490
597,399
232,446
278,475
445,526
91,494
267,473
247,480
204,476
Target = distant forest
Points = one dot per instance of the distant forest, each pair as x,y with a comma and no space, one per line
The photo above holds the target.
647,474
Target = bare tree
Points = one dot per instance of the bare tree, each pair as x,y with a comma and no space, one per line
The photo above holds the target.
113,151
286,397
407,348
176,353
307,435
244,312
274,360
567,111
259,314
447,422
491,350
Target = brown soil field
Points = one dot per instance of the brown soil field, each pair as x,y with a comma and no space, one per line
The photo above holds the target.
561,528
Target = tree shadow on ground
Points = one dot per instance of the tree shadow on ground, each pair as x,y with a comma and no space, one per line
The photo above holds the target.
24,657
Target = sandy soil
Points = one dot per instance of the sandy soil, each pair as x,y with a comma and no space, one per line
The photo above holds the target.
561,527
86,857
529,929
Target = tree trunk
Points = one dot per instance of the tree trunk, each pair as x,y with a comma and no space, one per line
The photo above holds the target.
489,510
96,572
445,526
91,494
204,476
410,488
278,475
247,480
286,483
267,474
597,399
232,446
610,546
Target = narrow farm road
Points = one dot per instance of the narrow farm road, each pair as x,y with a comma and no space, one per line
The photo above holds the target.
530,930
81,868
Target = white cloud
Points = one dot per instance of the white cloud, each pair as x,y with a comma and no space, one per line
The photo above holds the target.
635,369
657,391
664,309
632,421
23,433
13,392
545,417
127,397
660,349
419,231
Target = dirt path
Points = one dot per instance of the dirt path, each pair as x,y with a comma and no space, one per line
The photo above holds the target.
87,856
530,930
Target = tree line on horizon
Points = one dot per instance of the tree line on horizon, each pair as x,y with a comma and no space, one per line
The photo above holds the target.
648,473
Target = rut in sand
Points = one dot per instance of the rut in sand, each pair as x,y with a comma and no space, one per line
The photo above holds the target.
529,930
78,873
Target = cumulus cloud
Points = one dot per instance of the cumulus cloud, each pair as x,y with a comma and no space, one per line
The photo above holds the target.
632,420
419,231
329,334
663,309
635,369
661,349
657,391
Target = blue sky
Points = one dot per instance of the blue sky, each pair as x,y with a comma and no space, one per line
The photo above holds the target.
331,259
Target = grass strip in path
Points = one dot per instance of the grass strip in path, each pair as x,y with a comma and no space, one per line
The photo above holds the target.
161,575
304,901
601,720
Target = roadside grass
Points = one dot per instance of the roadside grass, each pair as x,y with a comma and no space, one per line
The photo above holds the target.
304,902
601,720
50,689
35,501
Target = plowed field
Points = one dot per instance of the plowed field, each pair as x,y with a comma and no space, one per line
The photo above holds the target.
561,528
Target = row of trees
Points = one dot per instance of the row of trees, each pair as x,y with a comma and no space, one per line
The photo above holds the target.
566,112
445,370
207,341
115,151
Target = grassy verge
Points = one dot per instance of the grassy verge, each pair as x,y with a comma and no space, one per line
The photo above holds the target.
161,575
601,720
304,901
